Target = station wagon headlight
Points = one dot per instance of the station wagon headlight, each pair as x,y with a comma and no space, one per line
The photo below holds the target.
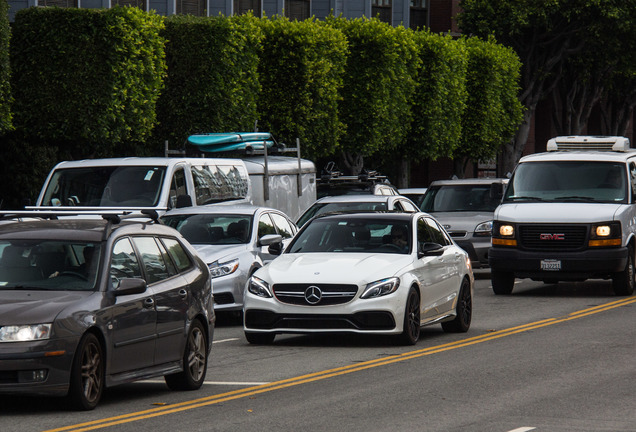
24,333
484,229
380,288
218,269
259,287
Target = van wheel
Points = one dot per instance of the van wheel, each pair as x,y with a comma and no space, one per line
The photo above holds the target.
623,282
502,282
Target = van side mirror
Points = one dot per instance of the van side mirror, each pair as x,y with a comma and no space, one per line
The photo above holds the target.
184,201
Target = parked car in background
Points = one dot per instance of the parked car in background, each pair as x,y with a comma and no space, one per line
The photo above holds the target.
233,240
88,304
333,182
465,207
414,194
376,273
351,203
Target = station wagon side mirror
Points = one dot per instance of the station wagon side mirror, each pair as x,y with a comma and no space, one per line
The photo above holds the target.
429,249
129,286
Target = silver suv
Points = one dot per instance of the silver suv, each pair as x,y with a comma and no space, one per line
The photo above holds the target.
465,207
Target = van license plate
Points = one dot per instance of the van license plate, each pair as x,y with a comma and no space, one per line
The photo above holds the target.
551,265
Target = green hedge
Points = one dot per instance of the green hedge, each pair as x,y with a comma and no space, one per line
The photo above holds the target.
92,79
5,86
439,101
301,73
212,83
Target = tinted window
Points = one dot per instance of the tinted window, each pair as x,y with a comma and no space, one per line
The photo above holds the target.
124,263
152,259
282,224
177,253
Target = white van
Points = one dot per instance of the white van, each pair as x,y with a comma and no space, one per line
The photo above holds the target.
568,214
144,183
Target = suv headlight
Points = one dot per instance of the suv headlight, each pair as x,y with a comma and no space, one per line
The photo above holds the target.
484,229
218,269
259,287
24,333
380,288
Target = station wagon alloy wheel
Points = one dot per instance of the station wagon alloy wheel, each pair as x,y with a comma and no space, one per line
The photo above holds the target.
87,381
195,362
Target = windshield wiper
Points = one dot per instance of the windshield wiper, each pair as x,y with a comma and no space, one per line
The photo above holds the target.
524,198
576,198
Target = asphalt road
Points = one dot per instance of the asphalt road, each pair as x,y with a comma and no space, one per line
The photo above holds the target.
547,358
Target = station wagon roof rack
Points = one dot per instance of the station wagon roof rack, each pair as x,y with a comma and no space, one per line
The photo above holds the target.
113,216
587,142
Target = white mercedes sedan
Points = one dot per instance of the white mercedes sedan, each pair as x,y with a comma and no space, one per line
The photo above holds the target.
376,273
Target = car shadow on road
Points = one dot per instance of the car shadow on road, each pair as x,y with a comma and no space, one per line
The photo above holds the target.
591,288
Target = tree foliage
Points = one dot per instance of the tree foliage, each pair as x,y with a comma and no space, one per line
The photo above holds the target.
378,84
91,80
301,73
5,87
212,83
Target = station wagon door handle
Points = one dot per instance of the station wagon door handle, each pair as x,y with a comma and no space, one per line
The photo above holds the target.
183,293
149,302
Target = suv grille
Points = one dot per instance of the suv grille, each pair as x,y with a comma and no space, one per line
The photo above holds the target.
553,237
320,294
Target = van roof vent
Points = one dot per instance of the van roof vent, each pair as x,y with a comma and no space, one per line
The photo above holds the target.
594,143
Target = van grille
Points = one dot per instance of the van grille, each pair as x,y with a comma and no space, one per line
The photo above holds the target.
553,237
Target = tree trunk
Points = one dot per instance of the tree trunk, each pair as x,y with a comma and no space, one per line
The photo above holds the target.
404,173
354,162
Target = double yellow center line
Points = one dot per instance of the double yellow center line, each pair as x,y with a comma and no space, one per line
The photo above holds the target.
303,379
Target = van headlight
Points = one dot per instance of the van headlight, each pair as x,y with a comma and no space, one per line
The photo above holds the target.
218,269
24,333
259,287
380,288
606,234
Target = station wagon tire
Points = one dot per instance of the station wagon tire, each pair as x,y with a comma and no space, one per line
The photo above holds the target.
623,282
502,282
87,374
260,338
464,311
411,329
195,361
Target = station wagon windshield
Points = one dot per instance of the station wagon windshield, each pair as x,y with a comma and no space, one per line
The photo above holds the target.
105,186
48,265
568,181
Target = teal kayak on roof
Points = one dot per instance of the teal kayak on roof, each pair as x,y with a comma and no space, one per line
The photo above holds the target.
231,141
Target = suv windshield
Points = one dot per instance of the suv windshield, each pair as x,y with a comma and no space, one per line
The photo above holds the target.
105,186
48,265
567,181
460,198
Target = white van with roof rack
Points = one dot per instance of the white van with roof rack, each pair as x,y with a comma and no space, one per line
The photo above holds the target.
568,215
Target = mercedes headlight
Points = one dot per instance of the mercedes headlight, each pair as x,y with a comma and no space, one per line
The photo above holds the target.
259,287
381,288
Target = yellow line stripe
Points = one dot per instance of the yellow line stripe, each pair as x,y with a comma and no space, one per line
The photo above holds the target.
330,373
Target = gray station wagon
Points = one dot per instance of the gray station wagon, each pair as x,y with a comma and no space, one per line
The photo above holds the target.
90,303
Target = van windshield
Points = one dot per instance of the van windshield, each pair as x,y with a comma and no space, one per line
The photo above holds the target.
105,186
568,181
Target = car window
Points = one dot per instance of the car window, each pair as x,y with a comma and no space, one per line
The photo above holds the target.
283,226
153,262
265,225
177,253
437,233
408,207
423,232
178,186
211,228
170,265
124,262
